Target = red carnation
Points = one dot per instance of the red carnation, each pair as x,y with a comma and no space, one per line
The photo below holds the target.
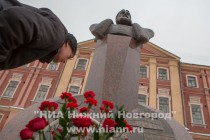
54,132
47,105
37,124
102,108
128,126
65,95
82,121
83,109
26,134
89,94
108,104
91,101
109,123
72,99
72,105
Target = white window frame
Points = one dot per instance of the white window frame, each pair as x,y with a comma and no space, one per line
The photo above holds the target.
15,77
56,67
74,86
7,87
75,67
147,70
169,103
162,92
143,90
195,100
1,117
47,81
196,80
167,70
38,90
76,81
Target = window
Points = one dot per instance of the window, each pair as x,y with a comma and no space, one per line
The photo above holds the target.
142,99
143,72
196,114
10,89
191,80
74,89
162,74
81,64
164,104
41,94
52,66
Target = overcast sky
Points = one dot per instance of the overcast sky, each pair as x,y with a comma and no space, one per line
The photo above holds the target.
181,27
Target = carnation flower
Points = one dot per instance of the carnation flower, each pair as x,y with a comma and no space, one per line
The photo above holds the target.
102,108
47,105
37,124
108,104
83,109
82,121
91,101
65,95
109,123
89,94
128,126
26,134
71,99
72,105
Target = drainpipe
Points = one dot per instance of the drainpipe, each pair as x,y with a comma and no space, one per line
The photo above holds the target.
182,93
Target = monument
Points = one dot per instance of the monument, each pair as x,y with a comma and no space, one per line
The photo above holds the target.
115,67
114,76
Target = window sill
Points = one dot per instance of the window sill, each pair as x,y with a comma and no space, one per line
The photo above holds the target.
32,101
200,125
192,87
6,98
80,69
144,77
163,79
51,69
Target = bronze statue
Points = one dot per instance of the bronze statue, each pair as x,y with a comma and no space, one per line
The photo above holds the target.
124,27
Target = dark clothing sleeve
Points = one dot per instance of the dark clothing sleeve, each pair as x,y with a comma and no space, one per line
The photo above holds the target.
28,34
8,3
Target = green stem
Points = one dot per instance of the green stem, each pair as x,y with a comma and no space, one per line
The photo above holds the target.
104,137
78,138
40,136
49,125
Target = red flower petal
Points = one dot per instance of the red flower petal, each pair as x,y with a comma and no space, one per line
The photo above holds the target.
26,134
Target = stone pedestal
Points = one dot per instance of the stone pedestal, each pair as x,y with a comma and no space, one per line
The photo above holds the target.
114,71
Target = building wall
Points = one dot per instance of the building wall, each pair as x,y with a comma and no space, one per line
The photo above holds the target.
29,76
152,56
197,95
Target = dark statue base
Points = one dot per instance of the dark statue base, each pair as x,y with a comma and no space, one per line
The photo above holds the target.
114,71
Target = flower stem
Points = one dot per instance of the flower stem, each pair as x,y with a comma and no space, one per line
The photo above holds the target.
40,135
49,125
